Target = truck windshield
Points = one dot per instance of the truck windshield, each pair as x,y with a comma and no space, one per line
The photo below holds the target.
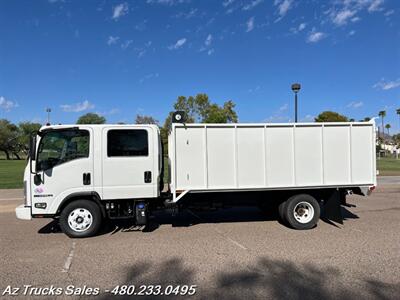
59,146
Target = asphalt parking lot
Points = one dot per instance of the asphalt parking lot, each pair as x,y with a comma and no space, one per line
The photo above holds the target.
231,254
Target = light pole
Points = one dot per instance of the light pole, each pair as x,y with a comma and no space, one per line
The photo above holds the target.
295,88
48,110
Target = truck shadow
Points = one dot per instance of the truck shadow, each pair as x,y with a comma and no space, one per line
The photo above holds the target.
109,227
346,214
188,217
231,215
184,218
52,227
263,279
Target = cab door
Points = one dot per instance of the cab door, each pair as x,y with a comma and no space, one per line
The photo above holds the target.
65,166
128,162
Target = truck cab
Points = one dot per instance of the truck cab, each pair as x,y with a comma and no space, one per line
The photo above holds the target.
109,165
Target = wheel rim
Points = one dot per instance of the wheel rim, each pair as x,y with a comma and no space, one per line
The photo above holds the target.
303,212
80,219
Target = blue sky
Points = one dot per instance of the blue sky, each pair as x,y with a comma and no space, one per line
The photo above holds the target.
121,58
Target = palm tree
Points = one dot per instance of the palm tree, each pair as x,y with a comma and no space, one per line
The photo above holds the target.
382,114
367,119
387,126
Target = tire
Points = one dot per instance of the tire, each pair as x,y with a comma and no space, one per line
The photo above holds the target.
274,207
281,211
80,219
301,211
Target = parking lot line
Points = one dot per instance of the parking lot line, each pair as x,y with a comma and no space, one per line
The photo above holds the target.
68,261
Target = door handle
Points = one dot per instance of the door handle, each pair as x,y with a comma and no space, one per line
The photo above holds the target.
86,178
147,177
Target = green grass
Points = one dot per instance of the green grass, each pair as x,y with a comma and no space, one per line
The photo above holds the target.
12,173
388,166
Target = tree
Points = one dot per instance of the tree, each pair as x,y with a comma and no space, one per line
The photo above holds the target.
142,119
25,131
8,137
387,126
331,116
91,118
396,138
224,114
382,114
367,119
352,120
199,109
398,112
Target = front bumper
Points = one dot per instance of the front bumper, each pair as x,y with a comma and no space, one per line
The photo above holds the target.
23,212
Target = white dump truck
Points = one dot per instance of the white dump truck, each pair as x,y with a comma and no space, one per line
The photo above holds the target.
84,174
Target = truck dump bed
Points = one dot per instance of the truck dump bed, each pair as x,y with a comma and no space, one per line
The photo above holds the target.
271,156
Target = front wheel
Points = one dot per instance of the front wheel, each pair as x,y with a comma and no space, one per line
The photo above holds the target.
81,218
301,211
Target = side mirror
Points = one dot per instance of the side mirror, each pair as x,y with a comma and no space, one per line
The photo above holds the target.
37,179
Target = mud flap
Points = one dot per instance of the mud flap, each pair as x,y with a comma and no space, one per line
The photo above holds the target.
332,207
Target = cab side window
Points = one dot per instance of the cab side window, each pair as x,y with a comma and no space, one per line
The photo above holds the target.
131,142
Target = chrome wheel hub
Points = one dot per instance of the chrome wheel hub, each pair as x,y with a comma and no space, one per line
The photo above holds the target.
80,219
303,212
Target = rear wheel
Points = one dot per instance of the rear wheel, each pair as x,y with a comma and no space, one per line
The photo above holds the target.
281,211
272,207
81,218
269,208
301,211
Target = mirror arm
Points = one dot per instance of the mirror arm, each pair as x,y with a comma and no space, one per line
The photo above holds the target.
30,165
32,143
